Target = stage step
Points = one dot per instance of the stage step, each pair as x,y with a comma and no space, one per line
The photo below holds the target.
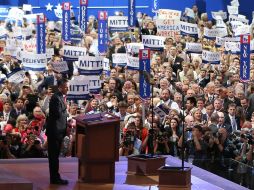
9,181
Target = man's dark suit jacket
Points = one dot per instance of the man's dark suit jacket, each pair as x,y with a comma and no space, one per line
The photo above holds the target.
145,31
56,123
227,102
228,122
14,113
48,81
177,64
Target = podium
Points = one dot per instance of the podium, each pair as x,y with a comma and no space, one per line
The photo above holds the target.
97,147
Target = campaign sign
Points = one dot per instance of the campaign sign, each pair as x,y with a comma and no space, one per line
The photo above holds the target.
132,13
189,29
41,34
153,42
118,23
83,14
102,31
72,53
242,30
144,76
66,22
224,15
32,61
245,58
232,47
94,84
193,48
168,27
132,63
16,76
134,48
106,67
119,59
169,14
78,88
90,65
215,32
60,67
211,57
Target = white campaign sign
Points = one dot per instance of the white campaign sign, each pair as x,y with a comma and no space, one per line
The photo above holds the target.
50,52
94,84
169,14
29,45
74,52
134,47
194,47
232,10
106,66
211,57
60,66
16,77
189,28
33,61
216,32
119,59
90,64
133,63
118,21
189,12
168,27
220,23
220,13
78,87
232,46
244,29
238,18
152,41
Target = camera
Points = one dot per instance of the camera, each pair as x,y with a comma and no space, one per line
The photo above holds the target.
128,138
249,137
161,136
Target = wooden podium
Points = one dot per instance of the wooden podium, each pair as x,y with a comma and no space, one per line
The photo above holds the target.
97,147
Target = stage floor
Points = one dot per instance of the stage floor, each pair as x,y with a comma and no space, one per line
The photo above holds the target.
36,171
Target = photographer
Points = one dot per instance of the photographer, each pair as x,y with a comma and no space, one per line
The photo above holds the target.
32,147
130,144
5,141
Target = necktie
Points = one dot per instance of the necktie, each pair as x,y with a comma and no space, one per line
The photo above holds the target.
233,123
6,116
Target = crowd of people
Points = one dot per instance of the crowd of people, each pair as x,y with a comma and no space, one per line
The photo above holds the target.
209,101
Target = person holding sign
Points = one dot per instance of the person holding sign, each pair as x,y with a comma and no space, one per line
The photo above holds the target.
56,126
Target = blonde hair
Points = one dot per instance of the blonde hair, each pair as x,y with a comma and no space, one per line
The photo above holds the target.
21,117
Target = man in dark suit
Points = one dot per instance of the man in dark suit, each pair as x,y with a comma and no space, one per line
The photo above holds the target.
56,130
150,29
247,109
175,60
221,123
231,98
18,108
231,118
